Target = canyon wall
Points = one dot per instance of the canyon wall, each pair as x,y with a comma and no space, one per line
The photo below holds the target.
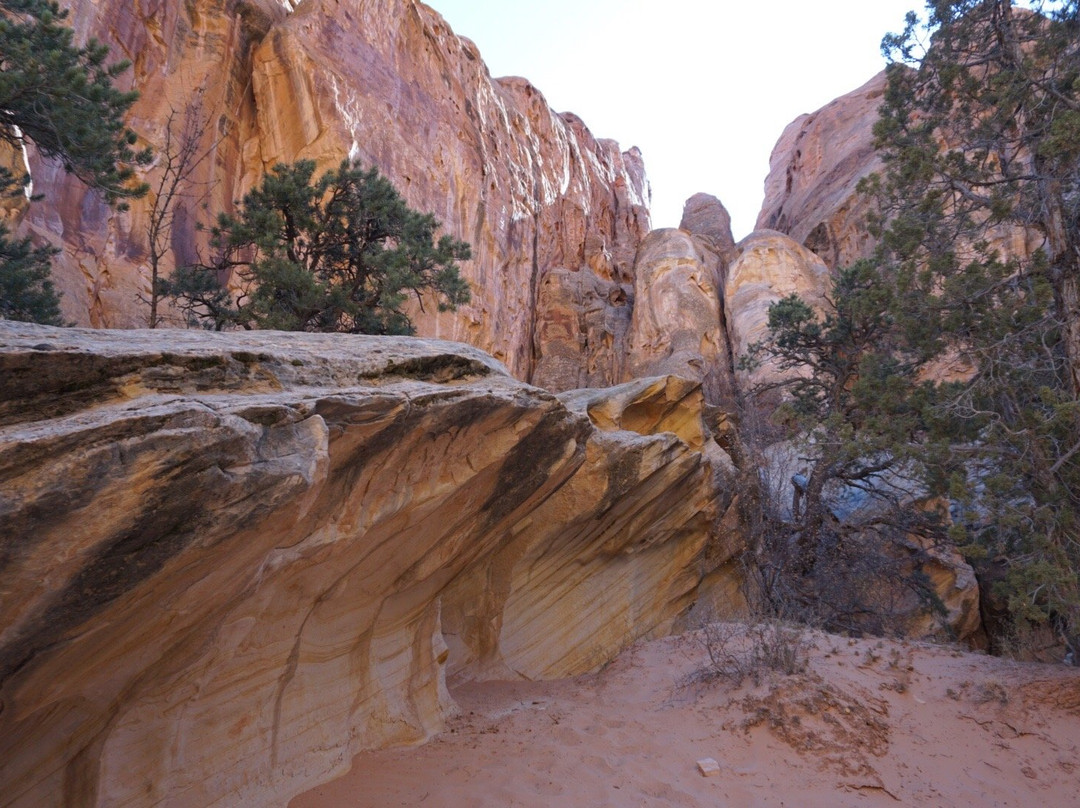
386,82
190,63
228,562
810,191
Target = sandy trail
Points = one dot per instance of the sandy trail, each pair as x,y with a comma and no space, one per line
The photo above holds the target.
869,723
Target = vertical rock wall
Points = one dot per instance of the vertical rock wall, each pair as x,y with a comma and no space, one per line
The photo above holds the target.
532,191
189,60
814,170
387,82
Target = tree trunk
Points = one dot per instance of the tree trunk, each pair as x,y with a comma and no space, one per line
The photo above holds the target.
1064,257
1069,303
814,511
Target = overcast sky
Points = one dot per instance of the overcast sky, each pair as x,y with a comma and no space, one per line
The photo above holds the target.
703,87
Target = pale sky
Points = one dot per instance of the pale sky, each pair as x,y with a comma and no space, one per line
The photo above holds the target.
703,87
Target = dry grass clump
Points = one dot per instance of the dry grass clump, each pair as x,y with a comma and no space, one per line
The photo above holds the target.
751,650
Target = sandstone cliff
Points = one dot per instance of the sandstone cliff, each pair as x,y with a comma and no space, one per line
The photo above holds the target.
191,59
814,169
388,82
229,562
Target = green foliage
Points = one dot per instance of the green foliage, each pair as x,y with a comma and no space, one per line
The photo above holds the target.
975,284
341,253
61,98
25,290
862,419
980,220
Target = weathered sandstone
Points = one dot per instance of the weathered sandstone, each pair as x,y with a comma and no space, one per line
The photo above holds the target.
387,82
677,326
768,266
705,215
191,59
582,330
814,170
229,562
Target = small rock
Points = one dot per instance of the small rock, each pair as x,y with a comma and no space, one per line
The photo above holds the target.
708,767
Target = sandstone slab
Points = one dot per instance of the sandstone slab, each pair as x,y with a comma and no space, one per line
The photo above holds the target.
229,562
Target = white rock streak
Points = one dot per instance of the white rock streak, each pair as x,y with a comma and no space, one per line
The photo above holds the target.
28,188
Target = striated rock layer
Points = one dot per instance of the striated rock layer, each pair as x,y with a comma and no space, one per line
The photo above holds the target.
767,267
230,562
814,170
387,82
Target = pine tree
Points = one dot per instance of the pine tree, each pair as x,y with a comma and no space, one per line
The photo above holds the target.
26,293
950,355
62,98
341,253
980,229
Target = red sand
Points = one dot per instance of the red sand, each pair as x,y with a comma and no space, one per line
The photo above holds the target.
869,723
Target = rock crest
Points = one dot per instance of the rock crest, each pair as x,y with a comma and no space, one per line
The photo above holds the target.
231,561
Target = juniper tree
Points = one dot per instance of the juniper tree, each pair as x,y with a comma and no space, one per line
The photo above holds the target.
980,133
972,364
980,233
862,423
62,98
340,253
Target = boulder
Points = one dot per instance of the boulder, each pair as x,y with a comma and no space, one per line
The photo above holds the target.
229,562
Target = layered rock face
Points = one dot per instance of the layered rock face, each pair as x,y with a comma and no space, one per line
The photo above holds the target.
189,61
677,325
531,190
814,170
767,267
387,82
232,561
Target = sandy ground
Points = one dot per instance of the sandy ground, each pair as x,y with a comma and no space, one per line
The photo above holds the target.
868,723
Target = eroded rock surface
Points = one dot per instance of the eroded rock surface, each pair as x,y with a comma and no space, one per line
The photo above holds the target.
814,170
768,267
229,562
582,330
387,82
677,326
705,215
531,190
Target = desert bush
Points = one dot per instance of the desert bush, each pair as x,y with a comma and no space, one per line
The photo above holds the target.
752,649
